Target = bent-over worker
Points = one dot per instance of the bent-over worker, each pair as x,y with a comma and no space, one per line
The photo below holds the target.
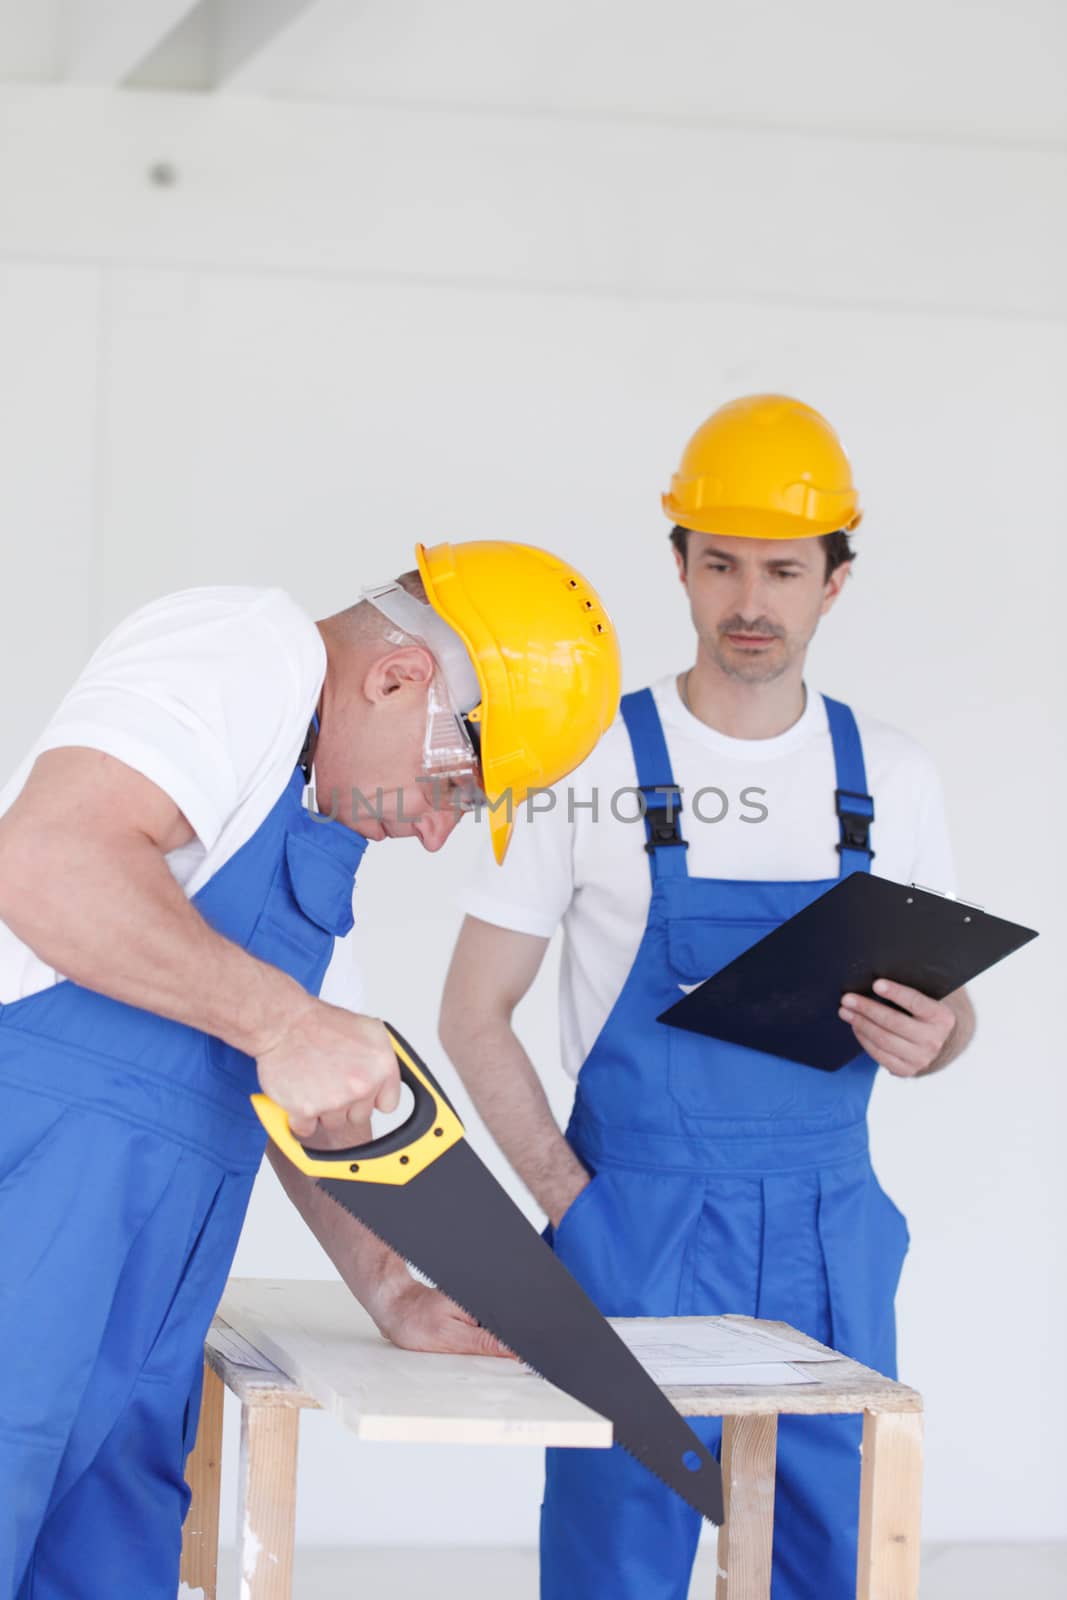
169,903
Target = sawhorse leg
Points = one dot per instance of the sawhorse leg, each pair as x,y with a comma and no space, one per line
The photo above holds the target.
890,1506
749,1452
200,1542
266,1508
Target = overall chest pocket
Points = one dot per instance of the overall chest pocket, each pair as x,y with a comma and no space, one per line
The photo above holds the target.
709,1077
309,905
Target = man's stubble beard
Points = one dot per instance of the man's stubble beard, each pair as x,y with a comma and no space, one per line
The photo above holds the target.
754,671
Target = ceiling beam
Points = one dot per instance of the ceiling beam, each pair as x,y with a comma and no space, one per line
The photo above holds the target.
106,40
248,35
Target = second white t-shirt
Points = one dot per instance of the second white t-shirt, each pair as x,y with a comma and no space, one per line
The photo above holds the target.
767,813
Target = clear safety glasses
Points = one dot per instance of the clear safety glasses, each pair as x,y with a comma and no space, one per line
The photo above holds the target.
451,751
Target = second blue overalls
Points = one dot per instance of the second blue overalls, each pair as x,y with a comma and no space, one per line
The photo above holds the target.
725,1180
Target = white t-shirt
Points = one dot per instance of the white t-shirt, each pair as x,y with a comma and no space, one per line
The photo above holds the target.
208,693
767,812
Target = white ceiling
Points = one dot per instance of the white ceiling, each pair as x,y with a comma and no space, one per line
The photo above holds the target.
970,69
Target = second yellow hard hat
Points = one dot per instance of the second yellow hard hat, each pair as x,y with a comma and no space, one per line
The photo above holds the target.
764,467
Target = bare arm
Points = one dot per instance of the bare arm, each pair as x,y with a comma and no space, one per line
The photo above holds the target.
492,969
408,1313
84,882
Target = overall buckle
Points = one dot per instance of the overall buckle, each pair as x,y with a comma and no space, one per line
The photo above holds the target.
855,814
663,831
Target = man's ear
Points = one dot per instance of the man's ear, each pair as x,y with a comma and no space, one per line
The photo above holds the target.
407,666
679,561
834,584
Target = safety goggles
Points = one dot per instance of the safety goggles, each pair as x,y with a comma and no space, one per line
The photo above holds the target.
451,760
451,751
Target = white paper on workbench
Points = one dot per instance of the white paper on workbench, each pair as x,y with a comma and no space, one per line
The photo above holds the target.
768,1374
680,1352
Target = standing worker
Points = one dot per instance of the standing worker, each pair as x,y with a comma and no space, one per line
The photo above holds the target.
168,908
698,1177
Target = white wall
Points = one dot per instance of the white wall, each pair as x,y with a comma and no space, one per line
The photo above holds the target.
344,330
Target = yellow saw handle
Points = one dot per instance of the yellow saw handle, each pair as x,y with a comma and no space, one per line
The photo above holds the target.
398,1156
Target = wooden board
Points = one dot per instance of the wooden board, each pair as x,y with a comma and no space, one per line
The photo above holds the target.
331,1354
252,1377
327,1344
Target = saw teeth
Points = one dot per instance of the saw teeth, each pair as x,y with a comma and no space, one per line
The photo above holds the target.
633,1451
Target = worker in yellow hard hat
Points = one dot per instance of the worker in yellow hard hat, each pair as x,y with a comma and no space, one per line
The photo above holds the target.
696,1176
171,890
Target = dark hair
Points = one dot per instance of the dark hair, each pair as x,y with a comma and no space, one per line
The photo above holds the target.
837,547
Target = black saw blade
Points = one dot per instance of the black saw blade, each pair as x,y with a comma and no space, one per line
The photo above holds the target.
457,1225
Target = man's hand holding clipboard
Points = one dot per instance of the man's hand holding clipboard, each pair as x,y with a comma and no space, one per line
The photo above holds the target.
906,1037
866,966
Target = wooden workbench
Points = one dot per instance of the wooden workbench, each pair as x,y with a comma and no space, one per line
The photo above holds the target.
287,1346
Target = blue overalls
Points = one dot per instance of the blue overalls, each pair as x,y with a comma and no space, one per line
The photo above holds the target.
128,1149
725,1180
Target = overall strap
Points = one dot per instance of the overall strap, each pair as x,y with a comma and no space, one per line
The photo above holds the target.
855,807
662,797
304,760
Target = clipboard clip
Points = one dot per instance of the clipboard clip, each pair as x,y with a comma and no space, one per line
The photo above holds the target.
944,894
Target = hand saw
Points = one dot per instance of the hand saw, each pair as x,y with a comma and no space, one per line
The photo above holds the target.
422,1190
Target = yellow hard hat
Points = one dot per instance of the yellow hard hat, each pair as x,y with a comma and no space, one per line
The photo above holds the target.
547,658
764,467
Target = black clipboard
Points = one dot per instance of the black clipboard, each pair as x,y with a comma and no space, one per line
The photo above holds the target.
781,995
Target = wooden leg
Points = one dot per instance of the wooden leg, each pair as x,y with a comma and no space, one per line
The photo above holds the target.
890,1506
749,1450
203,1470
266,1508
